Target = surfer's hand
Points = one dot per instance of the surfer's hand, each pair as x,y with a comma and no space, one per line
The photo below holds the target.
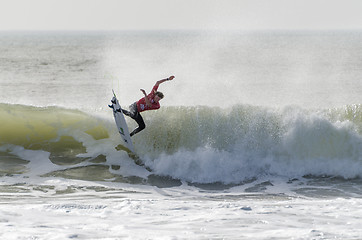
164,80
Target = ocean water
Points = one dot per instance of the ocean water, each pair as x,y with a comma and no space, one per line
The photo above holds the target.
259,136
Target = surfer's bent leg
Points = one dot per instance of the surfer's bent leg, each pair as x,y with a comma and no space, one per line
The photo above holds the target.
133,111
135,115
141,124
125,112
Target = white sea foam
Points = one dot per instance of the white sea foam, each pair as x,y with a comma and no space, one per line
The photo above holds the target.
178,214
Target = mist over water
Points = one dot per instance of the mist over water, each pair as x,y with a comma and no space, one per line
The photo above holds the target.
309,69
269,69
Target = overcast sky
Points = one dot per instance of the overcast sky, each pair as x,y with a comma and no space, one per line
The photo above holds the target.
179,14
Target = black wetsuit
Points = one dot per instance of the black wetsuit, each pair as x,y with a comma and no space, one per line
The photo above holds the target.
134,114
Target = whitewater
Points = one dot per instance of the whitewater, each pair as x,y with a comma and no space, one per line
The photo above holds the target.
259,136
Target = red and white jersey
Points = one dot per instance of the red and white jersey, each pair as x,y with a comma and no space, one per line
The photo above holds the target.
141,104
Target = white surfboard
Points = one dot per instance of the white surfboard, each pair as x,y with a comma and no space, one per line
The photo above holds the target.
121,123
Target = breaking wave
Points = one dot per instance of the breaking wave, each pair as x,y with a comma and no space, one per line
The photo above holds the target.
194,144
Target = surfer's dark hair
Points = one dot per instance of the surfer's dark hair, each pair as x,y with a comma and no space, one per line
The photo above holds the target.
160,94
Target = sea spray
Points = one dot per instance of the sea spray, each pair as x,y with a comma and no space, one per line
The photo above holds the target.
247,142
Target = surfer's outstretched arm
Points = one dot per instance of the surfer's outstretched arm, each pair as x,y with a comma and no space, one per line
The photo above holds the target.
164,80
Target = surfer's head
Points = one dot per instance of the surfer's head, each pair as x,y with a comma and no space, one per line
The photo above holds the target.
158,96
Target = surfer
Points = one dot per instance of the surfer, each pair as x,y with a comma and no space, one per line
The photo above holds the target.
148,102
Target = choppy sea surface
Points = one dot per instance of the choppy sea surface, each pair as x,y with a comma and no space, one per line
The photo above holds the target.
259,136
